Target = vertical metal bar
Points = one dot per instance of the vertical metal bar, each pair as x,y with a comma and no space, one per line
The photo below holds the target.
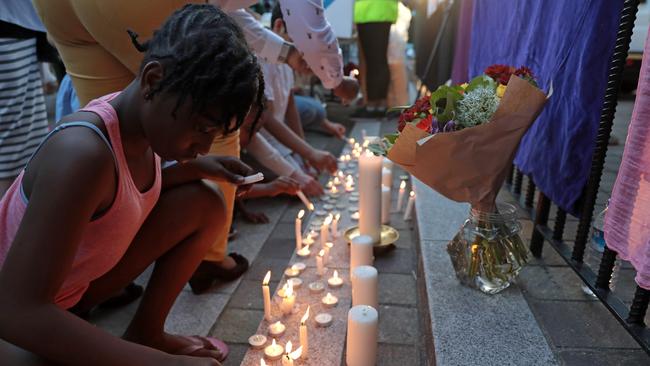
519,177
606,269
541,218
639,306
530,193
628,15
560,220
510,173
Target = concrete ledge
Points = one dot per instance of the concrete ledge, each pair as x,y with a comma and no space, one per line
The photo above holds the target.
469,327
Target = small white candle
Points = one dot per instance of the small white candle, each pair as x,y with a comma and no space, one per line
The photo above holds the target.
304,252
355,216
400,196
291,272
330,300
304,337
385,204
257,341
365,286
335,281
316,287
300,266
387,177
286,306
351,141
323,320
320,267
262,363
309,240
299,229
362,336
273,351
327,248
409,206
324,230
370,195
295,282
336,181
277,329
361,252
335,225
266,294
305,201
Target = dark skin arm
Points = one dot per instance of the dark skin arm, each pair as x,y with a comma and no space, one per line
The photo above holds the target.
66,187
212,167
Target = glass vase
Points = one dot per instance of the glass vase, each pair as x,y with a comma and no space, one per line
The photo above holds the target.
488,253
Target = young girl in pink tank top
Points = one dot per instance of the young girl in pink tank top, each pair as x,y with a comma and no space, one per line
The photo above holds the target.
93,209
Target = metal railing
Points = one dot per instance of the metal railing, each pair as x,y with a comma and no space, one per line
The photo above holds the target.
632,318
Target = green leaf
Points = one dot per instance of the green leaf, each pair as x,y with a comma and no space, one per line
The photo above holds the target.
377,149
447,96
481,80
398,108
391,138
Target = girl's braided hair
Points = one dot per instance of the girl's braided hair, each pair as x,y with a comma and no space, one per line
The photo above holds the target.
207,60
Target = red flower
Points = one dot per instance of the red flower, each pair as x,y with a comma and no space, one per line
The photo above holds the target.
425,123
500,73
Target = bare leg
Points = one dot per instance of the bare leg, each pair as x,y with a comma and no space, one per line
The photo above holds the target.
12,355
176,235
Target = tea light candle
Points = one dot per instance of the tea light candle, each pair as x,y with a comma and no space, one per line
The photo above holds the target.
361,252
323,320
298,229
300,266
330,300
295,282
304,252
349,187
333,192
324,230
351,141
320,267
316,287
273,351
328,207
305,201
336,181
400,196
257,341
335,225
409,206
266,295
335,281
286,306
304,337
385,204
289,357
309,240
291,272
364,286
362,336
277,329
355,216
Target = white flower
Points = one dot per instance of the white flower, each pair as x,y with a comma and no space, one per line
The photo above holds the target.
476,107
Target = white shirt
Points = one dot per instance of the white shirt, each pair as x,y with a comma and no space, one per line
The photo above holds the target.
21,13
267,155
278,81
308,29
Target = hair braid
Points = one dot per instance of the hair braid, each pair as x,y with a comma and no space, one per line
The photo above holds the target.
205,59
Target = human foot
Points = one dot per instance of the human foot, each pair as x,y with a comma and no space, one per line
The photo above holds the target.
231,268
197,346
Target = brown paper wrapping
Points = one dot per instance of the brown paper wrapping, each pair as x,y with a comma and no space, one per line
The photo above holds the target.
470,165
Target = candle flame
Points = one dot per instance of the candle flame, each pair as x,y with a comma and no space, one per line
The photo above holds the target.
262,363
321,253
337,217
305,317
368,153
328,220
301,213
288,292
351,140
328,297
412,194
267,278
296,354
273,343
311,206
366,143
402,185
288,347
336,274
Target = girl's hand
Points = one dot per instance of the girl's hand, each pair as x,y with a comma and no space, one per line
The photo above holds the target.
286,185
322,160
308,185
223,168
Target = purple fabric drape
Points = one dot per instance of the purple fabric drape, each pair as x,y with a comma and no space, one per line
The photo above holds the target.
627,223
459,73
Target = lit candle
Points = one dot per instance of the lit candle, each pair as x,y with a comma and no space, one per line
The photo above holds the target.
351,141
295,282
266,293
335,225
324,229
273,351
262,363
409,206
288,301
361,252
323,320
336,181
299,229
304,338
305,201
362,336
277,329
334,192
370,195
385,204
387,177
327,248
364,286
257,341
299,266
340,175
349,187
400,196
289,357
291,272
320,268
330,300
355,216
309,240
304,252
335,281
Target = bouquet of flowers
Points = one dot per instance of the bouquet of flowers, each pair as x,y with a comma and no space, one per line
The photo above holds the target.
460,141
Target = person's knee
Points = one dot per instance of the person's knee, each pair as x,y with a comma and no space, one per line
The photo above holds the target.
206,200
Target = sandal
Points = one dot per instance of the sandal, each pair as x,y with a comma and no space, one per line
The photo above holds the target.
199,342
208,272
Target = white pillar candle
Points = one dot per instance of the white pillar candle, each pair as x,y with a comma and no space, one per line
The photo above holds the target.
409,206
370,195
400,196
387,163
361,252
266,294
299,229
387,177
365,286
324,230
289,299
320,267
362,336
335,225
304,337
327,248
385,204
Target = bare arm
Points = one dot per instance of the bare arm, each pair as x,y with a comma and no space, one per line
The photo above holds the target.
293,117
66,191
